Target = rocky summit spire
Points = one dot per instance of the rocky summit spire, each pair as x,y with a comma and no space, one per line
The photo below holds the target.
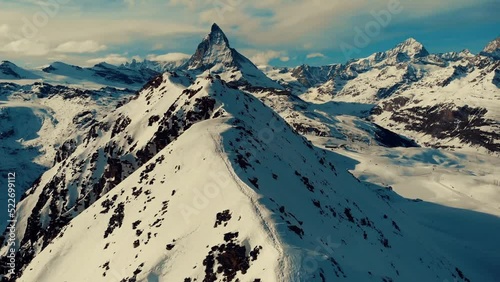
215,54
217,36
213,50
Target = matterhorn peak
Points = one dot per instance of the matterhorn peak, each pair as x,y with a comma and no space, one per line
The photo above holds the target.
213,50
215,54
217,36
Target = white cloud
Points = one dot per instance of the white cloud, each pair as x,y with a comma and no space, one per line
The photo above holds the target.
263,58
4,31
158,46
80,47
104,28
114,59
315,55
26,47
321,21
170,57
137,58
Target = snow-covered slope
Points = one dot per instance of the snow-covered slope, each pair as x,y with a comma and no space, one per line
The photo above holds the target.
462,113
9,71
300,79
462,180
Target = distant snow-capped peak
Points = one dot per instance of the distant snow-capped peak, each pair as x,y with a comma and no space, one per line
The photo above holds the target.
492,49
493,45
404,51
410,47
161,63
213,50
452,56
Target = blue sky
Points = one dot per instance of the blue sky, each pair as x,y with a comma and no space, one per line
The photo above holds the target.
276,32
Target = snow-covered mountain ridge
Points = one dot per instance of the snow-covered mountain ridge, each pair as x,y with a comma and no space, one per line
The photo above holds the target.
8,70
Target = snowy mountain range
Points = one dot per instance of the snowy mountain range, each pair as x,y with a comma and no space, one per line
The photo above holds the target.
59,73
440,100
492,49
218,170
9,70
158,66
